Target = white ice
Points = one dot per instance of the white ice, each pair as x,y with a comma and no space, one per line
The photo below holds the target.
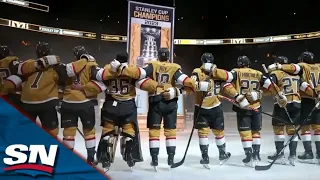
191,169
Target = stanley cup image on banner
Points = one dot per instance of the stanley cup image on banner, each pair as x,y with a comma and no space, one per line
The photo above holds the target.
150,27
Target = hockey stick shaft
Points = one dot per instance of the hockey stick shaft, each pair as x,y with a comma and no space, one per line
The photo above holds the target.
285,108
175,165
263,168
204,94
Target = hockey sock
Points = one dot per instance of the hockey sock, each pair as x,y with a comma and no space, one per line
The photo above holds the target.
306,139
204,143
171,145
220,141
293,145
69,142
90,142
279,142
247,144
154,145
318,148
256,143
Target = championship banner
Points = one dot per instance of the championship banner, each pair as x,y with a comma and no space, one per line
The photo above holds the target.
150,27
29,152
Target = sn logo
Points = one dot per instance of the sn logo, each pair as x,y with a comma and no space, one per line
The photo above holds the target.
20,159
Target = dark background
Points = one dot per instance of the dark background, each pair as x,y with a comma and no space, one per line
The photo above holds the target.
194,19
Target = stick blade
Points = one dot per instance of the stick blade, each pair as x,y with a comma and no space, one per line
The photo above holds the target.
175,165
262,168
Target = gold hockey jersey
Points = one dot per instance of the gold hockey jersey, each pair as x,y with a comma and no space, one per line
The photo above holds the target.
165,73
120,87
11,72
290,85
78,72
211,100
246,80
40,87
308,72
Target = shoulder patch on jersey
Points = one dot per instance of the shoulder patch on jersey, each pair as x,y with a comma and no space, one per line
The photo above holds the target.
88,57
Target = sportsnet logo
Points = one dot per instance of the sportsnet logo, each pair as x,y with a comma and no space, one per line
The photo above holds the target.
24,159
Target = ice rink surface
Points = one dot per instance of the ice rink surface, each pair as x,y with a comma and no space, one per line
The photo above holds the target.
191,169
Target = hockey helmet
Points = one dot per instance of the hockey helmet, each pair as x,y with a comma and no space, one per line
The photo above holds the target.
163,54
281,60
78,51
122,57
5,52
43,49
306,57
207,58
243,61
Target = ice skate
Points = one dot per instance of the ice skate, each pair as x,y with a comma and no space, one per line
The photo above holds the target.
91,157
127,148
318,158
280,159
248,161
224,157
205,161
292,159
106,166
306,158
170,161
256,155
154,163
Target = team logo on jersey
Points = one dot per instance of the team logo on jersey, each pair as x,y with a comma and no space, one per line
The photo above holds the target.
31,160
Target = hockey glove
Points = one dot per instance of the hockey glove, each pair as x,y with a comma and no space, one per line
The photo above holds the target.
208,67
171,93
46,61
203,86
115,65
242,101
254,96
274,66
281,99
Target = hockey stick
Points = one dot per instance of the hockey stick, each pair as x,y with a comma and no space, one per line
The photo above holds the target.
175,165
263,168
236,104
285,108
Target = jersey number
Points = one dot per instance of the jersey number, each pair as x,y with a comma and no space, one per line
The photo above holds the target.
163,78
245,86
119,86
315,79
36,80
4,73
215,90
290,85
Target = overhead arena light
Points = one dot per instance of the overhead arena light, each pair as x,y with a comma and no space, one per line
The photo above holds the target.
27,4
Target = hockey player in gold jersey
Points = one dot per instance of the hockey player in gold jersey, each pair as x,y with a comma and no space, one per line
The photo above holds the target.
310,72
12,71
76,104
164,72
290,85
211,113
40,90
245,88
119,110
